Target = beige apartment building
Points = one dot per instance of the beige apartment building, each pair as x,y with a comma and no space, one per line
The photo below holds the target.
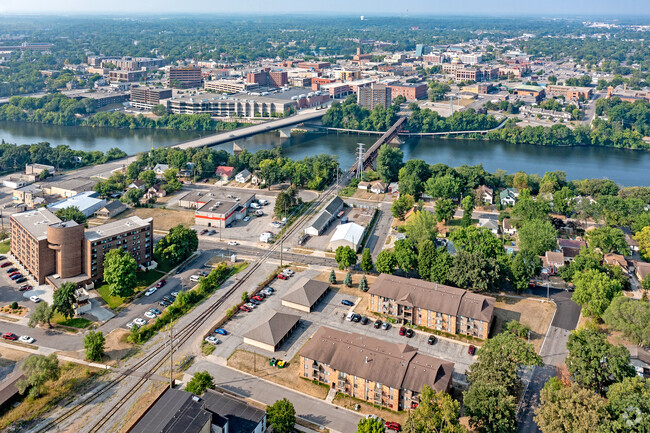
434,306
386,374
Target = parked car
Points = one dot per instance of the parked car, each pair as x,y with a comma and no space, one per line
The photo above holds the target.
202,273
160,284
9,336
150,292
221,331
402,330
250,305
347,303
289,272
26,339
174,294
245,308
247,218
16,276
471,350
378,324
35,299
14,273
385,326
5,264
431,340
391,425
156,311
164,303
258,298
212,340
409,333
140,322
130,325
270,289
167,298
233,243
254,302
364,320
204,231
10,270
149,315
356,317
25,288
21,280
179,270
283,277
212,232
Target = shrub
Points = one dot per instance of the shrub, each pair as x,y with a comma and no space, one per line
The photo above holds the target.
14,305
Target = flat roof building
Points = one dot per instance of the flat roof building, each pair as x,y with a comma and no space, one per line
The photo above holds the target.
570,92
147,97
228,106
87,202
373,95
230,86
380,372
411,91
184,76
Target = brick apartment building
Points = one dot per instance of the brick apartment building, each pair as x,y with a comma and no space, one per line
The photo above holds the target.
411,91
185,77
54,251
268,78
278,78
432,305
386,374
147,97
373,95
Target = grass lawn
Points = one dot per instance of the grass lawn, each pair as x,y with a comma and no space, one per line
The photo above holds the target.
145,279
75,322
4,246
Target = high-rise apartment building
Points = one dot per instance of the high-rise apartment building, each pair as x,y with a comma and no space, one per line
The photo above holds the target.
373,95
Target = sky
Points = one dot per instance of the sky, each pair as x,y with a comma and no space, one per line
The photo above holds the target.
361,7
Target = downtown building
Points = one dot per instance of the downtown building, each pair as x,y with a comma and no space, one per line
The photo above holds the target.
147,97
185,76
386,374
228,106
432,305
373,95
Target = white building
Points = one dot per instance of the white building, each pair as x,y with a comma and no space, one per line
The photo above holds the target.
349,234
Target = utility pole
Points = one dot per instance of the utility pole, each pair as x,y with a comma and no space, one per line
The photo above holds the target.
360,161
171,355
220,228
282,237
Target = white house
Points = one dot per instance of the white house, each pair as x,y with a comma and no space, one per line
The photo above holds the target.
160,169
243,176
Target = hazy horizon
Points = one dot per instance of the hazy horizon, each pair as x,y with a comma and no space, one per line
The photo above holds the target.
334,7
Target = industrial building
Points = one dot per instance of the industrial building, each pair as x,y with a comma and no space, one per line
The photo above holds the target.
88,202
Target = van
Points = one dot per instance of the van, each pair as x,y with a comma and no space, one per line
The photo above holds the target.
195,278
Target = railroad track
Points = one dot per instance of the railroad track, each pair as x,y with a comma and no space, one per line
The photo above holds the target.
185,333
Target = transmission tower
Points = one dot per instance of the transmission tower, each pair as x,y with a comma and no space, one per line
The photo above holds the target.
360,161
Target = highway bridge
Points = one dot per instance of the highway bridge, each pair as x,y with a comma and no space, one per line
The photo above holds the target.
237,134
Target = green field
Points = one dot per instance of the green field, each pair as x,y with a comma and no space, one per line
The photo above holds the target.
75,322
145,279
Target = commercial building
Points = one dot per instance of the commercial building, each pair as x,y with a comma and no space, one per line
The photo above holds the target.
327,215
218,212
261,78
37,169
411,91
278,78
306,294
471,59
316,66
126,76
348,74
179,411
185,77
537,92
473,74
268,78
55,251
30,195
88,202
570,92
69,187
230,86
228,106
127,63
387,374
147,97
101,96
272,332
432,305
347,235
373,95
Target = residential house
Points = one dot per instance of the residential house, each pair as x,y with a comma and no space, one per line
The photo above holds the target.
508,196
552,261
486,193
490,222
156,191
393,188
641,269
508,228
110,209
378,187
139,184
160,169
629,240
616,260
570,247
224,172
383,373
243,176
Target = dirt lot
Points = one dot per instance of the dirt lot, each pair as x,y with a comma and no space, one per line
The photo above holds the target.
116,345
385,414
9,356
530,312
164,219
362,306
288,376
366,195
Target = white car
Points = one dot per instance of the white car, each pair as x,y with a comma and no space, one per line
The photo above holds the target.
150,292
213,340
288,272
247,218
26,339
233,243
174,294
250,305
130,325
35,299
149,315
140,322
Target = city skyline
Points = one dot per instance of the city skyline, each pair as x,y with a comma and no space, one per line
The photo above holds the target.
362,7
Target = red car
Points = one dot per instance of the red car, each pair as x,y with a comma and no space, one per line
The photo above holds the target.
258,298
10,336
5,264
160,284
282,277
14,273
391,425
245,308
402,330
471,350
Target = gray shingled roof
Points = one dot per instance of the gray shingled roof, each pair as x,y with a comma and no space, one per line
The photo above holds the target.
306,291
274,329
174,412
434,297
241,416
391,364
334,205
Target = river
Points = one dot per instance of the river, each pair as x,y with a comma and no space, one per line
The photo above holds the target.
625,167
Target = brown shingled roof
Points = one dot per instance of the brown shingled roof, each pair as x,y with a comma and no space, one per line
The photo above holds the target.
435,297
306,291
394,365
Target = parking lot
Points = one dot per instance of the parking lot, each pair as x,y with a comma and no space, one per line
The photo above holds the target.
329,312
9,289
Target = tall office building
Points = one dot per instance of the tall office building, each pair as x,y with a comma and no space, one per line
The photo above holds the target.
185,77
147,97
373,95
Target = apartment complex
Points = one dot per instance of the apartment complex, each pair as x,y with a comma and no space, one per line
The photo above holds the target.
386,374
432,305
185,77
245,106
53,251
147,97
127,63
268,78
373,95
570,92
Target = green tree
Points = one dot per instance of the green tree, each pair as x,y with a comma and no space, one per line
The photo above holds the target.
94,343
244,297
427,256
562,201
132,196
518,328
44,174
285,203
631,317
367,425
475,271
490,408
594,291
447,186
594,363
629,405
405,255
420,227
71,213
643,239
413,176
402,205
148,177
569,409
608,240
437,412
332,278
281,416
389,161
525,266
537,236
468,207
386,262
445,209
38,370
477,239
363,284
159,109
345,256
64,299
179,244
120,272
366,261
42,315
201,380
348,280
